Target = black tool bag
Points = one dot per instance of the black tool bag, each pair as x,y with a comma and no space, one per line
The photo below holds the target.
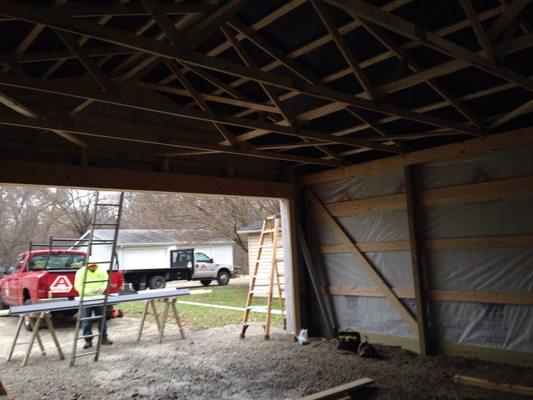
348,340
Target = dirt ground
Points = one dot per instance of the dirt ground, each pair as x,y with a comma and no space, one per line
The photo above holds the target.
217,364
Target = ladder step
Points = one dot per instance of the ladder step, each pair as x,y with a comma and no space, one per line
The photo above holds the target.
91,318
90,353
88,336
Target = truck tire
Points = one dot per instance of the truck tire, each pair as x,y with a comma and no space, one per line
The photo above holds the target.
223,277
27,324
205,282
157,282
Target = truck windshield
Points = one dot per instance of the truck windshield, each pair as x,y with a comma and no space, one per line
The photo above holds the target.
57,261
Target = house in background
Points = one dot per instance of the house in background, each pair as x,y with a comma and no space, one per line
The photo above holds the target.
253,233
141,248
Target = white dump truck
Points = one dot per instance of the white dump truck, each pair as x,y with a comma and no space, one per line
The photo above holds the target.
178,264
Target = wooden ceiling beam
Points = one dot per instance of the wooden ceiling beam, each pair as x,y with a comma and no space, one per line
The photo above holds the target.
282,109
84,39
514,45
188,40
90,9
405,28
24,58
91,177
510,14
115,36
413,65
350,26
226,134
85,60
248,104
480,33
147,134
149,101
344,50
201,31
525,108
272,50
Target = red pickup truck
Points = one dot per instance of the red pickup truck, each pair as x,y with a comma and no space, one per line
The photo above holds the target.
44,274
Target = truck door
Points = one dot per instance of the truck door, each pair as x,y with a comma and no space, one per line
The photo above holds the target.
12,282
204,267
182,262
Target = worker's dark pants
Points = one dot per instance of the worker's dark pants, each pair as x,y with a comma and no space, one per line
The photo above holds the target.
86,324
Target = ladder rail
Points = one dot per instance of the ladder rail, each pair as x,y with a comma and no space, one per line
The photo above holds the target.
109,275
113,260
84,280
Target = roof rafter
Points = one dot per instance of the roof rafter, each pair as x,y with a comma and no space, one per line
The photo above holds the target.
344,49
413,65
405,28
83,58
150,101
481,35
506,18
147,134
115,36
283,110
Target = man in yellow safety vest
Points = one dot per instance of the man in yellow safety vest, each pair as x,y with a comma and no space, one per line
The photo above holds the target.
95,284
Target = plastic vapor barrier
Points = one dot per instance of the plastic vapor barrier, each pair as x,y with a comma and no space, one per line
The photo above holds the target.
506,269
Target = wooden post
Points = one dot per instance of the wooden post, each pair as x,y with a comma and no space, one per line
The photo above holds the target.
416,248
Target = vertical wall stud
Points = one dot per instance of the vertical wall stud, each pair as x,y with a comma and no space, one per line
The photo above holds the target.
416,259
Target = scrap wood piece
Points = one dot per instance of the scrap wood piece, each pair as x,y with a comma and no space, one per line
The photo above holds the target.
486,384
340,391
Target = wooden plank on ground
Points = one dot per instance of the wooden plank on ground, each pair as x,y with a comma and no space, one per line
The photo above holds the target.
339,391
486,384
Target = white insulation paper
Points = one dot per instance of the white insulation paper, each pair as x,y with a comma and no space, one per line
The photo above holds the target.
510,269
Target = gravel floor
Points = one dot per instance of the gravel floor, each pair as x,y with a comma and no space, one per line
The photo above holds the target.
217,364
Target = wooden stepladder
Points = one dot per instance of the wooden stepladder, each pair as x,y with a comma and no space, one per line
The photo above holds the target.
161,320
35,323
266,279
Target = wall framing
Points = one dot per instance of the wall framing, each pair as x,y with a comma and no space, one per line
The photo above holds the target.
511,188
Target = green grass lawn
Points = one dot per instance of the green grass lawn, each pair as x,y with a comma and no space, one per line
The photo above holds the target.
198,318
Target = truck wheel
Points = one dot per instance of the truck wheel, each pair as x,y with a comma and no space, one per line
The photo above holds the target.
205,282
157,282
27,324
223,278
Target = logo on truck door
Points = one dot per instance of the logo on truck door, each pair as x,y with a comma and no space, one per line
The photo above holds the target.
61,285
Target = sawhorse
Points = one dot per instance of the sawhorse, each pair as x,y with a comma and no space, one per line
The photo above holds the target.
35,323
161,321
